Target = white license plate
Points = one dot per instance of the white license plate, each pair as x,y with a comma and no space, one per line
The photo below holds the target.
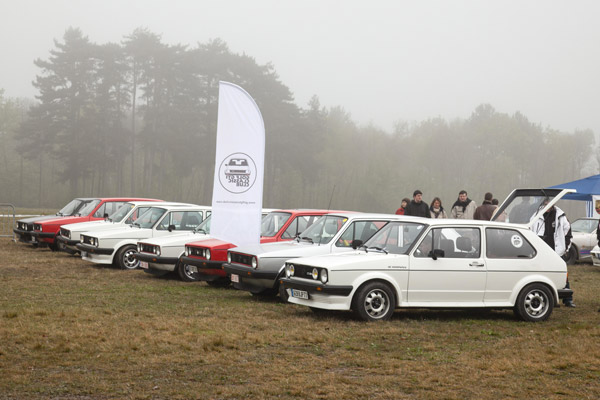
143,264
193,269
84,254
299,294
235,278
33,239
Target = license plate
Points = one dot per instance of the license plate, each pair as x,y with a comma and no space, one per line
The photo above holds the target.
193,269
143,264
33,239
235,278
299,294
84,254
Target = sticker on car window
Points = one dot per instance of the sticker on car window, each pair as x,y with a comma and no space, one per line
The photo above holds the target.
516,241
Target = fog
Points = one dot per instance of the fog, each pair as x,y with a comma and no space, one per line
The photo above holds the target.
383,61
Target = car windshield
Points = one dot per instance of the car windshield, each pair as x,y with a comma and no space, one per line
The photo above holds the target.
90,206
121,213
324,229
149,218
273,222
204,226
70,208
584,225
397,237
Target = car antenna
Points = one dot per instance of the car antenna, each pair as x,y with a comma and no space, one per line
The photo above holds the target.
331,198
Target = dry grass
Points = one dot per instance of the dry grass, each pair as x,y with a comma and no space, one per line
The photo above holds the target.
70,329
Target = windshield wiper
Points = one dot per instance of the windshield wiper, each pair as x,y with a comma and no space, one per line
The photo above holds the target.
378,249
308,239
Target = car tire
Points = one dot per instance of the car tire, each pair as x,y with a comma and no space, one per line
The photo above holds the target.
571,256
283,294
374,301
535,303
185,274
125,258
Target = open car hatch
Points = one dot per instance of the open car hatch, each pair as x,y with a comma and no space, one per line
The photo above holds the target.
523,206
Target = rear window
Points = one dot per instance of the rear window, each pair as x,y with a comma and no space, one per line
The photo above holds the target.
507,243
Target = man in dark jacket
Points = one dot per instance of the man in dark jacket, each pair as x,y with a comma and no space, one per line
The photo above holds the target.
484,211
417,207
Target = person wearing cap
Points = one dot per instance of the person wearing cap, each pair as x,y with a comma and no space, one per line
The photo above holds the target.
417,207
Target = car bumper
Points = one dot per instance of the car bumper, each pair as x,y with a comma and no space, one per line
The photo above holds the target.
207,270
156,262
249,279
23,235
67,245
565,293
96,255
326,297
43,237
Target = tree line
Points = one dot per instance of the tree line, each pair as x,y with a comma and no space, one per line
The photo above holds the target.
139,118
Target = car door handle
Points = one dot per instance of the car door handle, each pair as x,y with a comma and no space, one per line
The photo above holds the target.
476,264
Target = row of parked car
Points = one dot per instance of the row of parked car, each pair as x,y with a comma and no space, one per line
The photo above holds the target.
324,259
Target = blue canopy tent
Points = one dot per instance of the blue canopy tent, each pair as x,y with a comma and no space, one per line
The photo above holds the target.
586,189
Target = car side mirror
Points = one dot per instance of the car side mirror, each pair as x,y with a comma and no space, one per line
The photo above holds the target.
356,243
436,253
105,215
171,228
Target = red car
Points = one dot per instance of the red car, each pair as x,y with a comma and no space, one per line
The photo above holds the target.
203,259
45,231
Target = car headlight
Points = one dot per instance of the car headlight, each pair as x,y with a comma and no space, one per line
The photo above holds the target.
254,262
207,254
97,242
229,257
157,250
315,274
187,251
324,276
289,270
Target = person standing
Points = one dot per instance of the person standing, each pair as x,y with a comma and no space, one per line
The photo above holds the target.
463,207
554,229
417,207
436,210
485,211
403,205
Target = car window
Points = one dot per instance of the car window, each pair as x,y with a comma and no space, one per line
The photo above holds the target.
136,214
181,220
272,223
108,208
507,243
455,242
71,208
150,217
89,207
361,230
396,237
100,211
324,229
584,225
118,215
299,224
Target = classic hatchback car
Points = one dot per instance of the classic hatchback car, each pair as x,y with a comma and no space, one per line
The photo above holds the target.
45,232
257,269
25,225
583,241
128,213
203,259
424,263
118,245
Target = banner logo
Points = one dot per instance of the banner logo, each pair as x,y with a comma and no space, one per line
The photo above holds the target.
237,173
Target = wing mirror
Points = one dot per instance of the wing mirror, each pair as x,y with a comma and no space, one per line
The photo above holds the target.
171,228
436,253
356,243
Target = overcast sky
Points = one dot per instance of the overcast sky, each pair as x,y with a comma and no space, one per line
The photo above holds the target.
383,61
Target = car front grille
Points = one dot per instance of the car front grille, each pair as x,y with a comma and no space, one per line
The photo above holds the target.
239,258
147,248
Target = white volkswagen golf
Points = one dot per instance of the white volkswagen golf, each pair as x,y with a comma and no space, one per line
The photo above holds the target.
423,263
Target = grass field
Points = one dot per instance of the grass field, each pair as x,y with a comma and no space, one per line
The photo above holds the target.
74,330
